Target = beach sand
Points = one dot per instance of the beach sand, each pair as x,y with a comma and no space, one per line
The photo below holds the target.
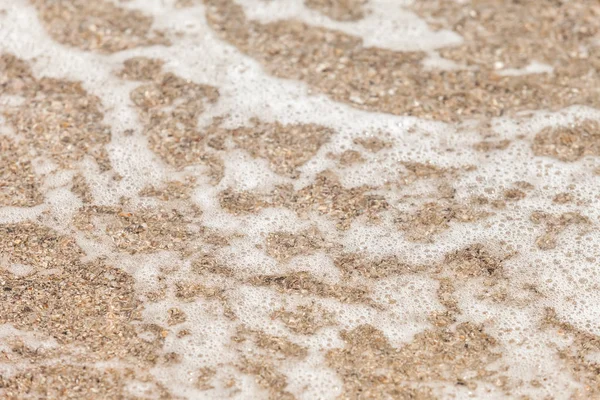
299,199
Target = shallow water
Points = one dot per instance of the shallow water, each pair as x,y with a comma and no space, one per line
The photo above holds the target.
279,199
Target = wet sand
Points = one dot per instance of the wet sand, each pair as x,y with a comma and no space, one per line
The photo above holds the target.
299,199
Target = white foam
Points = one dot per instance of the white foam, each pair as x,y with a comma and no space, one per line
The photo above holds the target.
386,23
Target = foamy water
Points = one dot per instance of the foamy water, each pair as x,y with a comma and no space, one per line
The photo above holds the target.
224,344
